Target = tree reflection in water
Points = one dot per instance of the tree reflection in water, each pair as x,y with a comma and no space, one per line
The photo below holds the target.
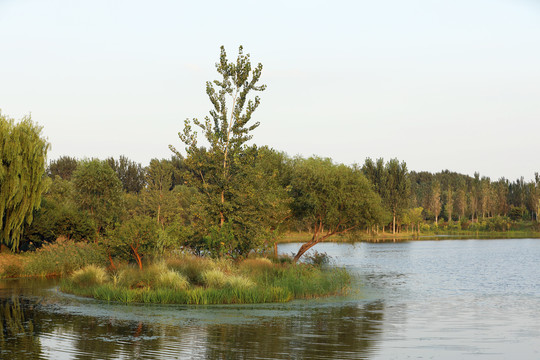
38,328
335,332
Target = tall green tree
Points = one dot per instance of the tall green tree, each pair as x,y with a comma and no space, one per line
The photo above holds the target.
391,182
333,199
449,205
23,152
228,172
435,204
98,190
227,129
398,188
157,193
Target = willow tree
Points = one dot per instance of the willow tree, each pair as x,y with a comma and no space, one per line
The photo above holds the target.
23,153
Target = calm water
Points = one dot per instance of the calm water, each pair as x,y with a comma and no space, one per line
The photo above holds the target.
450,299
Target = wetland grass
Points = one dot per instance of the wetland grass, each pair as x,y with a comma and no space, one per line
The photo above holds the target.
198,281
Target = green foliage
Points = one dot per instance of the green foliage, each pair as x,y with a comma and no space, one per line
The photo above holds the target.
134,239
332,199
130,173
23,153
253,281
56,220
237,186
517,213
214,278
63,257
98,191
391,182
318,259
90,275
63,167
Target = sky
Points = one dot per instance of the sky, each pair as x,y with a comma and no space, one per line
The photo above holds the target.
438,84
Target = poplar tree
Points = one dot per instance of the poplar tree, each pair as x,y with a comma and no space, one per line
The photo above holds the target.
230,174
23,153
226,130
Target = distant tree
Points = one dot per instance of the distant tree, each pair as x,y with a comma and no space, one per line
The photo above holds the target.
391,182
485,195
98,190
461,199
501,196
334,199
435,200
449,205
398,188
414,217
64,167
535,195
130,173
23,153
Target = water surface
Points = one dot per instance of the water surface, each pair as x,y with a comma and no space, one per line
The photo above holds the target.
426,299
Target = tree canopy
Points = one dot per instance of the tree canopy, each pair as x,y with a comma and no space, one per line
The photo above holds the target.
23,152
333,199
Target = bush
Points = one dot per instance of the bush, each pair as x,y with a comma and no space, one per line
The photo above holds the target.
63,257
170,279
214,278
191,266
90,275
317,259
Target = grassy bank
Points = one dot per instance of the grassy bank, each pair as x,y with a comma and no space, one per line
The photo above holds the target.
195,280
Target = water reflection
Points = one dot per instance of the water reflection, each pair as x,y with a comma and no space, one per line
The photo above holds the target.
41,327
336,332
18,329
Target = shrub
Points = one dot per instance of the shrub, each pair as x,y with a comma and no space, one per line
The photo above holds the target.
317,258
90,275
191,266
63,257
170,279
239,282
214,278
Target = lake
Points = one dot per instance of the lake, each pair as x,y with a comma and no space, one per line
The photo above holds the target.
446,299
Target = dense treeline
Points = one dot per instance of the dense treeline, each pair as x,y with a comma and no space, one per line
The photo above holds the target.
229,197
89,199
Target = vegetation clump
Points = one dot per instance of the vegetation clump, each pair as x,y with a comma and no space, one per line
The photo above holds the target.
178,281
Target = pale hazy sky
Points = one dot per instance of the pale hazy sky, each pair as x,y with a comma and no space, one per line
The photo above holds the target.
439,84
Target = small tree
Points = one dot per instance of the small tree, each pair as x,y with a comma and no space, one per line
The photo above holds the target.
134,239
23,153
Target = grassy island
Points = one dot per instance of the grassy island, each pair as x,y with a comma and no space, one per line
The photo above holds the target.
195,280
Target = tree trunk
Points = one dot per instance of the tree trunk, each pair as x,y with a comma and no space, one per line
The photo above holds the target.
394,223
222,221
137,256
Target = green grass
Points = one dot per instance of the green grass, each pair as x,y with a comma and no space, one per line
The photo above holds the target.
201,281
